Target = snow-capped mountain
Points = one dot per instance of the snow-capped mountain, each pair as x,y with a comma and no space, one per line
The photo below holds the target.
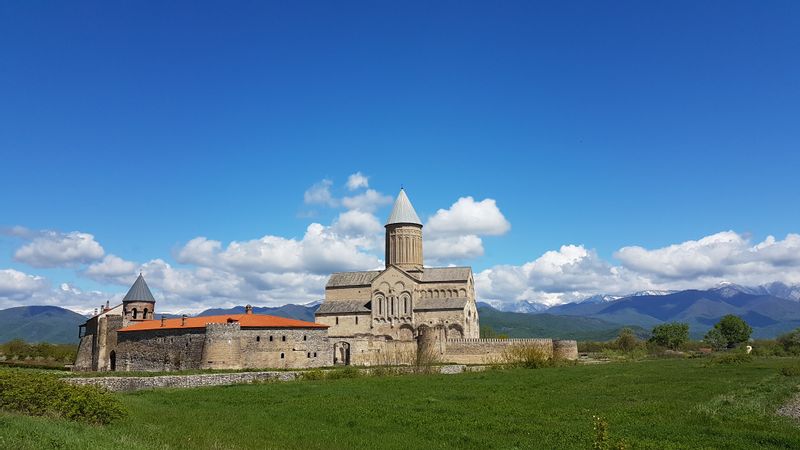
599,299
523,306
650,292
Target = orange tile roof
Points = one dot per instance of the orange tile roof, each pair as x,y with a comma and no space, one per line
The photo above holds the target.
245,321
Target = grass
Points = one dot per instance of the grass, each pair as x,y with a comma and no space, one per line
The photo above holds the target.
661,404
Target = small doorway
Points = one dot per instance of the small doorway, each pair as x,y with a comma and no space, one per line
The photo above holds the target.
341,353
113,360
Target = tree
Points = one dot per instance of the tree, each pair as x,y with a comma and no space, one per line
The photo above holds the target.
790,342
734,330
627,341
671,335
715,339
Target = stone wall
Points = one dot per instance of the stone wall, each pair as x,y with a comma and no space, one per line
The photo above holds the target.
487,351
223,346
160,350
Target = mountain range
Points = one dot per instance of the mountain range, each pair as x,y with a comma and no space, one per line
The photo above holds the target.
771,309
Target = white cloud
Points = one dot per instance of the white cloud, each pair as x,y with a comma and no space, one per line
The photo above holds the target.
466,216
111,269
320,194
357,180
357,223
452,248
56,249
574,272
369,201
16,285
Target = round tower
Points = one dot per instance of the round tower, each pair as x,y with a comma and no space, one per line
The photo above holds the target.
139,303
404,236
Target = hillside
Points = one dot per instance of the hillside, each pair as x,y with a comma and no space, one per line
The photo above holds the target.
299,312
768,315
40,324
523,325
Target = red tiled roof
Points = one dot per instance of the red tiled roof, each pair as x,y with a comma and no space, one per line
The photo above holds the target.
245,321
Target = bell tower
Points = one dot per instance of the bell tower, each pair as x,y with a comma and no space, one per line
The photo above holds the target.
139,303
404,236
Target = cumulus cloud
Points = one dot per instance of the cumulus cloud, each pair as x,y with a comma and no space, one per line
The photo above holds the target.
369,201
111,269
452,248
56,249
466,216
357,223
320,194
16,285
574,272
357,180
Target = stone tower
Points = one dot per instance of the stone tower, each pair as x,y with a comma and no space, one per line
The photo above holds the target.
138,303
404,236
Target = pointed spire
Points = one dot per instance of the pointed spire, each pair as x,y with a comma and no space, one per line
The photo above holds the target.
139,292
402,211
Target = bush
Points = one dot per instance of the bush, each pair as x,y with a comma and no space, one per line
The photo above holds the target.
345,372
732,358
671,335
314,374
43,394
715,339
790,342
528,356
627,341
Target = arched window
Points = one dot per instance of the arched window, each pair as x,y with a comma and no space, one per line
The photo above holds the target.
282,355
144,315
270,338
315,354
405,305
283,338
308,355
305,337
258,338
134,313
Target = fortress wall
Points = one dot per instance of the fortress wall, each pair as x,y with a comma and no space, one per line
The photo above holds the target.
565,350
83,361
301,348
487,351
222,346
347,325
159,350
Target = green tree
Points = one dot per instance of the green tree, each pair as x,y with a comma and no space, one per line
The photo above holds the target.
626,341
671,335
715,339
790,342
734,330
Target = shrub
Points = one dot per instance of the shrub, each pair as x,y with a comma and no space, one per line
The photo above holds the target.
602,440
627,341
790,342
43,394
671,335
314,374
715,339
528,356
345,372
733,358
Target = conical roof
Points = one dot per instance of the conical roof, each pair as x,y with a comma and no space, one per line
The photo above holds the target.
139,292
402,211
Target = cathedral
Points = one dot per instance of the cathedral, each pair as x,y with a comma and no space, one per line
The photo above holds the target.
375,317
378,311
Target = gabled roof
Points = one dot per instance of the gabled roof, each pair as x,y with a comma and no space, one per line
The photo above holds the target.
402,211
343,306
341,279
245,321
442,274
440,303
139,292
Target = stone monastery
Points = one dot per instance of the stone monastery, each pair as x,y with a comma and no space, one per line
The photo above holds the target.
389,316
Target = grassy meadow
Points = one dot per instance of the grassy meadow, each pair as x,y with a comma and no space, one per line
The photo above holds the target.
681,403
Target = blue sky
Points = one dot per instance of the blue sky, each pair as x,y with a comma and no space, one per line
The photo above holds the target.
594,124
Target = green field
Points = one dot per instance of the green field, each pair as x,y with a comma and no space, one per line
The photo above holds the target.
649,404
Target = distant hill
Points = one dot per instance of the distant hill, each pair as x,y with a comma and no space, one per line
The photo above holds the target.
299,312
769,315
40,324
525,325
